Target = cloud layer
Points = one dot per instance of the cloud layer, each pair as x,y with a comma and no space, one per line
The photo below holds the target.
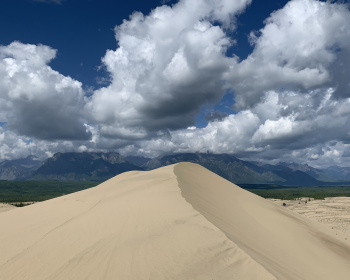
37,101
302,47
160,79
291,93
266,131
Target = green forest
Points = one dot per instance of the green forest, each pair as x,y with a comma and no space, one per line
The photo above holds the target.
33,191
291,192
17,192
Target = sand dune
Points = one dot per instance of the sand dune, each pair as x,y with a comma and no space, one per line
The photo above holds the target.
177,222
331,211
6,207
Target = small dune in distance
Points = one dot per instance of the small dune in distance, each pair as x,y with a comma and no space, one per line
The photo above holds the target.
176,222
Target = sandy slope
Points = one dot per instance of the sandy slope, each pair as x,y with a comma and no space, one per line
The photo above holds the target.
288,245
177,222
331,211
134,226
6,207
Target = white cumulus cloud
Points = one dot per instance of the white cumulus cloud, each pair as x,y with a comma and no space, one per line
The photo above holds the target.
168,64
305,45
37,101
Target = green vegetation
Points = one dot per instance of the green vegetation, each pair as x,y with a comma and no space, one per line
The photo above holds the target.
291,193
20,204
19,192
27,191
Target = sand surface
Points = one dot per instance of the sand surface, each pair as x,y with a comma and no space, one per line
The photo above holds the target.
6,207
176,222
331,211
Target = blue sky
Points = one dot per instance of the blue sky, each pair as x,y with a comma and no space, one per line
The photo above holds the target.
82,30
262,80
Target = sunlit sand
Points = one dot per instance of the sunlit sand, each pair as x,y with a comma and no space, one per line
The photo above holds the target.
6,207
331,211
176,222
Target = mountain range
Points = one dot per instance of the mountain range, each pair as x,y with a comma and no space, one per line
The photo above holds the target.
239,171
83,166
102,166
19,169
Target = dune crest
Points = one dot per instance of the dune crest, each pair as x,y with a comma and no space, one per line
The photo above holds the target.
176,222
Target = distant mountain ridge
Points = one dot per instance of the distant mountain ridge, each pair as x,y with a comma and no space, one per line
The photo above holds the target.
19,169
102,166
137,160
341,173
226,166
239,171
318,174
83,166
